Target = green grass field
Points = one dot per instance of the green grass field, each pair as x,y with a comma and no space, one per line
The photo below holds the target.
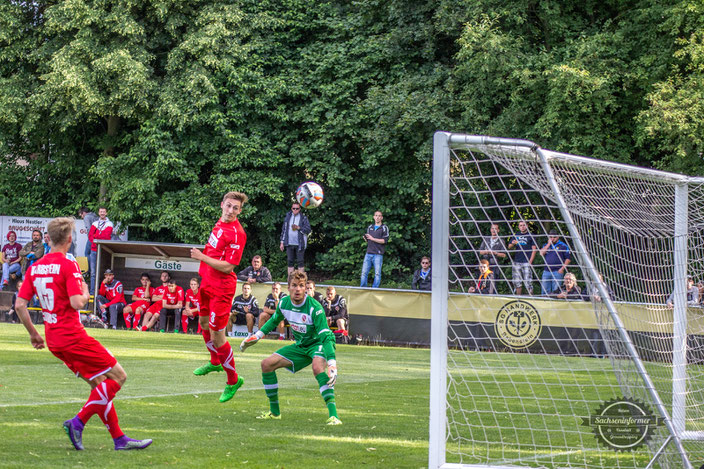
382,398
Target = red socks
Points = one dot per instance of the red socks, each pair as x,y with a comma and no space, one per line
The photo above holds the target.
100,402
227,359
211,348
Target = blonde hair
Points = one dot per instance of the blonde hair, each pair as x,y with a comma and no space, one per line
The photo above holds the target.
297,276
237,196
571,276
60,229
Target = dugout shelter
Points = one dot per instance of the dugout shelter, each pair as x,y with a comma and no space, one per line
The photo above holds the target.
128,259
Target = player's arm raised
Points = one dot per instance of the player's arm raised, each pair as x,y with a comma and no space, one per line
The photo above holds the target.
222,266
269,326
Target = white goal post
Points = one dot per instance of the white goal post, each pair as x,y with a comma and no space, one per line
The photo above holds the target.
566,331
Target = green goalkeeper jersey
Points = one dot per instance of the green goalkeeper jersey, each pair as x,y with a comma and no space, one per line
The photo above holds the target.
308,324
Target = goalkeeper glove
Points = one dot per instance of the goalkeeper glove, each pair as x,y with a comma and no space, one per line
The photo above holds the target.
251,340
332,372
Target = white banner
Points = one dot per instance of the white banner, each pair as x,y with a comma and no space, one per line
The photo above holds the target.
23,227
161,264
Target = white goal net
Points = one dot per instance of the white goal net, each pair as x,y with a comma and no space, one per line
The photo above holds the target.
567,326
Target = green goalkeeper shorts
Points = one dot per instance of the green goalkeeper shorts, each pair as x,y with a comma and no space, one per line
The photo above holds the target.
300,357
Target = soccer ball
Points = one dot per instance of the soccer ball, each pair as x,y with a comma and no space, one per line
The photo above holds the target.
309,194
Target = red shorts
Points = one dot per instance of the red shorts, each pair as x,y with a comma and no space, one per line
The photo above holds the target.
139,304
216,304
155,308
87,358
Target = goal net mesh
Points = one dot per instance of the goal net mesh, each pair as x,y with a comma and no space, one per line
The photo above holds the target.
526,372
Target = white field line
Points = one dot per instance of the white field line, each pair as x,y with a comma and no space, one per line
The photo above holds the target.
125,398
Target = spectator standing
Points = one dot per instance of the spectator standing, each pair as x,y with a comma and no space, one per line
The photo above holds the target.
171,305
522,268
245,309
692,295
485,283
47,246
32,251
310,291
294,237
110,299
141,300
255,273
88,219
100,229
335,307
10,258
422,278
191,308
493,248
557,257
377,236
272,301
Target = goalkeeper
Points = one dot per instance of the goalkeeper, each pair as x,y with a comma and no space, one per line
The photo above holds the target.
315,343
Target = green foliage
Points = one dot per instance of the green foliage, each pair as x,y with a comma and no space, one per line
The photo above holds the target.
204,97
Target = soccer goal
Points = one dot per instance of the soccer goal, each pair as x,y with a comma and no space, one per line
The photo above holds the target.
566,324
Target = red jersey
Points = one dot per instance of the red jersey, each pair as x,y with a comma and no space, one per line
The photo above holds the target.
159,291
113,292
193,298
173,298
55,279
139,292
226,243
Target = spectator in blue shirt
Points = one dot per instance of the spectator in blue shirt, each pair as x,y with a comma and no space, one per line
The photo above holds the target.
557,257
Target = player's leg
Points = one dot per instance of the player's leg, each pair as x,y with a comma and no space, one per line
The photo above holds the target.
218,325
283,358
327,392
127,316
203,320
342,325
177,320
282,330
249,317
163,317
146,319
184,322
137,316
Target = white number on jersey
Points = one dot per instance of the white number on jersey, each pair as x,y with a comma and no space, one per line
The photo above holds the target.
45,294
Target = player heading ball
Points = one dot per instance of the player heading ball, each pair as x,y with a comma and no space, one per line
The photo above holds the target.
222,253
59,285
315,344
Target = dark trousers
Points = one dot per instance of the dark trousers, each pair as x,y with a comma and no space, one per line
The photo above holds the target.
112,312
164,316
